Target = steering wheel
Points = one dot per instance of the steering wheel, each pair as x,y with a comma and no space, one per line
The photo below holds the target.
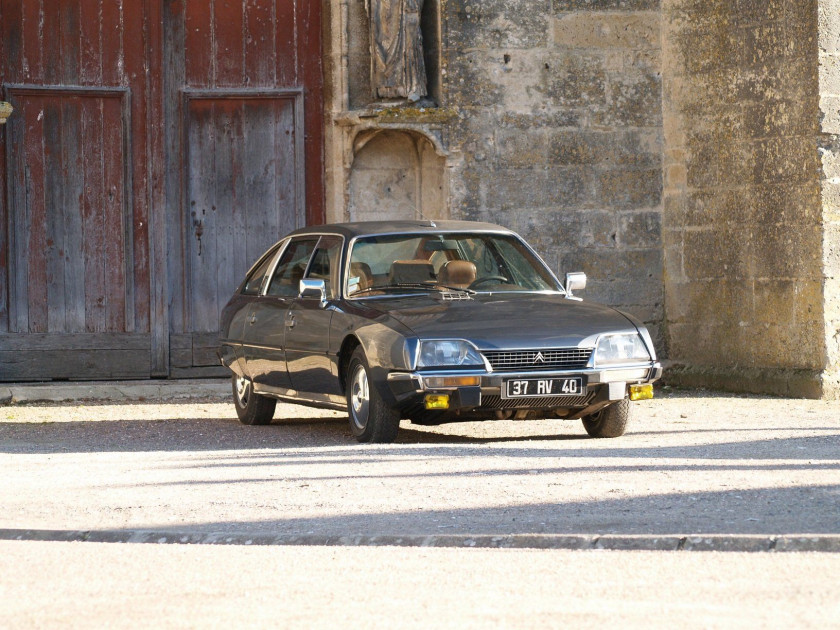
484,279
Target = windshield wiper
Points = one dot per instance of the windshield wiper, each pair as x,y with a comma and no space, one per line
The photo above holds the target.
417,286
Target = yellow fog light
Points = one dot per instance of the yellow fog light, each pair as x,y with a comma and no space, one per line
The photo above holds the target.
641,392
433,382
437,401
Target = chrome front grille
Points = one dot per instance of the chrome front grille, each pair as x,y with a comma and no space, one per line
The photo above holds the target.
548,402
538,360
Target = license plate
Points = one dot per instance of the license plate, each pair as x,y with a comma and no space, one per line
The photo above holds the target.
540,387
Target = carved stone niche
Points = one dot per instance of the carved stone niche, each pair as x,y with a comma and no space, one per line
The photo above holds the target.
360,66
397,174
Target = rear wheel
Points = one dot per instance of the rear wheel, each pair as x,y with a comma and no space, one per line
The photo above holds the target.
371,420
250,407
609,422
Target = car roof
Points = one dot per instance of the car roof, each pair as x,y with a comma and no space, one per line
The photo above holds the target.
369,228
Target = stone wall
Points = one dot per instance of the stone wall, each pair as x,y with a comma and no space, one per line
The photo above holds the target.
685,154
559,135
742,224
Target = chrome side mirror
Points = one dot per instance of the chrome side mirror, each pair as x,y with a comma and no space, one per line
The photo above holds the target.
313,290
575,281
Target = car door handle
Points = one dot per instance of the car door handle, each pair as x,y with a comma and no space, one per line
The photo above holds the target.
290,321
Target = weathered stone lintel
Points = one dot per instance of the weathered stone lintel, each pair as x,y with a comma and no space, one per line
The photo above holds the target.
787,382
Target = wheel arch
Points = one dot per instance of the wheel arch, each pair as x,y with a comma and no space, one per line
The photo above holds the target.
348,346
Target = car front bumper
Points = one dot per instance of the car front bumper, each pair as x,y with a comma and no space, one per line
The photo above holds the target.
601,386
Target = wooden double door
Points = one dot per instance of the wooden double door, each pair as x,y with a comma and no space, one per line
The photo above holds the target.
156,150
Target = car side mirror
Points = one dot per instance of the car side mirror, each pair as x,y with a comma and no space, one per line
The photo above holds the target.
311,289
575,281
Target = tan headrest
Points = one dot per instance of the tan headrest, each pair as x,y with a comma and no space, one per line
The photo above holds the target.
457,273
361,270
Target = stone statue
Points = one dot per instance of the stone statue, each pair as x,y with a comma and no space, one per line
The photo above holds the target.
396,48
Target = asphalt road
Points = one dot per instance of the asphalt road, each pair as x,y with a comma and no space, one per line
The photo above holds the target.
693,467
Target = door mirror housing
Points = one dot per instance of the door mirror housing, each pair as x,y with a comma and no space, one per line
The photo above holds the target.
575,281
311,289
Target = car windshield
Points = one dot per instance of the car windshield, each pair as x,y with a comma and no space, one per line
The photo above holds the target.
447,261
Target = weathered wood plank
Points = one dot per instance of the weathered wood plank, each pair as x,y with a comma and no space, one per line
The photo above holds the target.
250,227
286,50
72,342
205,132
49,31
114,203
204,349
173,211
156,130
205,356
90,43
5,271
31,67
260,45
54,161
180,350
93,248
68,38
113,29
288,187
31,223
198,52
78,365
137,138
74,146
15,270
229,44
229,182
181,358
11,41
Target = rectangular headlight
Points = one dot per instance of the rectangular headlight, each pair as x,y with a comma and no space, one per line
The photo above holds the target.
444,353
620,348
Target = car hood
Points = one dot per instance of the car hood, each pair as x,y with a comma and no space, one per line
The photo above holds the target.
506,321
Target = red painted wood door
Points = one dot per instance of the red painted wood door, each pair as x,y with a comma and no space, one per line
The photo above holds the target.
156,149
75,274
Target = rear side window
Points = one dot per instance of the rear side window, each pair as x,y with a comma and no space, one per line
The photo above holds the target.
291,267
255,280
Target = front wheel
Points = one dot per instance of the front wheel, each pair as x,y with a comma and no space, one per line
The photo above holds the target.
609,422
250,407
371,420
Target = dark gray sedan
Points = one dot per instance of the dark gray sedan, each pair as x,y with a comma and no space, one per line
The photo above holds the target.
432,322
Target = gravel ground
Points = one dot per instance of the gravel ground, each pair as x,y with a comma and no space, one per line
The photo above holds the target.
88,585
693,464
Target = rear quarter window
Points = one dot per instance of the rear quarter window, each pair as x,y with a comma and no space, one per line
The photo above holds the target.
254,282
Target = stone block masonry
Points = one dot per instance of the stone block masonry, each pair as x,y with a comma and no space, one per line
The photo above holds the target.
685,154
747,270
560,135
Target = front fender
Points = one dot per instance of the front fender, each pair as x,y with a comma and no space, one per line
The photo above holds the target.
386,343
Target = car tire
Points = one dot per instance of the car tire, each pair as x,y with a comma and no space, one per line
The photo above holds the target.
371,420
609,422
250,407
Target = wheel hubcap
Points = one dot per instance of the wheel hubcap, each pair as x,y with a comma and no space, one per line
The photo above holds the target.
359,397
242,391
